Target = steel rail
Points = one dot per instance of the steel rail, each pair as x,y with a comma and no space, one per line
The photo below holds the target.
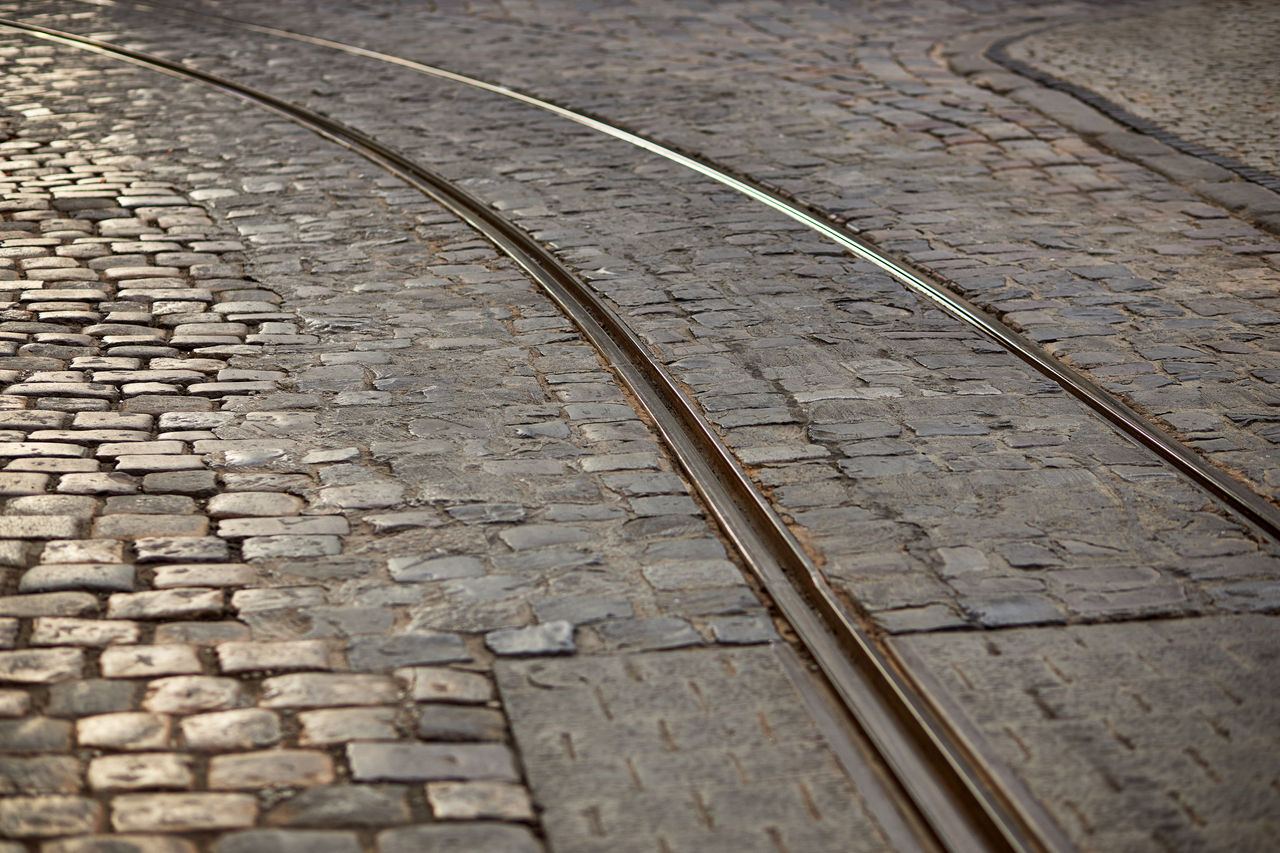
954,796
1255,509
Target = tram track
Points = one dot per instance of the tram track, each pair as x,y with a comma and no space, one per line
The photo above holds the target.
951,790
786,569
1253,508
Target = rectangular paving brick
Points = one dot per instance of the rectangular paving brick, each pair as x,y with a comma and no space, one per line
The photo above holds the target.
155,812
421,762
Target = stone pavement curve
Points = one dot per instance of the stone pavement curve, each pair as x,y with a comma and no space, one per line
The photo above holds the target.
260,572
324,530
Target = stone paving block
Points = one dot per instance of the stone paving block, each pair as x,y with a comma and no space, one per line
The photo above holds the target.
440,722
130,731
121,843
203,575
180,549
194,482
48,816
68,506
14,703
131,526
317,525
83,551
740,630
276,598
292,546
94,577
344,805
418,569
646,634
98,483
66,631
149,505
237,657
39,527
35,734
288,841
438,684
191,694
54,465
543,535
479,801
246,728
359,496
92,696
40,774
551,638
312,690
419,762
145,464
14,449
48,604
192,812
382,653
690,574
23,484
41,666
148,660
165,604
240,504
14,552
277,768
340,725
430,838
162,770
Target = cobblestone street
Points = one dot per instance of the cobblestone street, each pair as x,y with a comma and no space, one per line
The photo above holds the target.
325,528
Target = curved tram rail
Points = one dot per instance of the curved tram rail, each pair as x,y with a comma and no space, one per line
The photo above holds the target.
1250,506
951,794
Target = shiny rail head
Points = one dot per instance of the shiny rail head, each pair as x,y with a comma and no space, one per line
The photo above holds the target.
1254,509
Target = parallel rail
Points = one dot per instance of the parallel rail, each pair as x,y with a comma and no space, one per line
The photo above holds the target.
962,806
1253,508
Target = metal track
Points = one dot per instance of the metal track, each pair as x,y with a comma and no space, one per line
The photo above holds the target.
960,803
1235,495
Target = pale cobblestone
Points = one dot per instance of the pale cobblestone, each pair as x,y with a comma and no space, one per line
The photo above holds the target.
240,729
135,772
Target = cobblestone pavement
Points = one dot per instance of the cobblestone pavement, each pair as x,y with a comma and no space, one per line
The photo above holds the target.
357,468
267,540
1223,91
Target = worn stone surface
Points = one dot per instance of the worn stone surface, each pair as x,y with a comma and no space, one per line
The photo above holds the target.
343,444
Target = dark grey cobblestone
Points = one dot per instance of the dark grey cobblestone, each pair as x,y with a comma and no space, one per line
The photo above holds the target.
252,540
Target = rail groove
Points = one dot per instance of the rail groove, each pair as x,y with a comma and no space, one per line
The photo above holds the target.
1253,508
954,796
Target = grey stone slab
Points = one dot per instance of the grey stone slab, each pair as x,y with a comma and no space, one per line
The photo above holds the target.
490,837
550,638
440,722
420,762
387,652
343,806
288,841
94,577
420,569
663,632
35,734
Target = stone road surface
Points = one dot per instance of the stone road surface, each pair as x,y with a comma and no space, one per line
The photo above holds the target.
324,530
1223,91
